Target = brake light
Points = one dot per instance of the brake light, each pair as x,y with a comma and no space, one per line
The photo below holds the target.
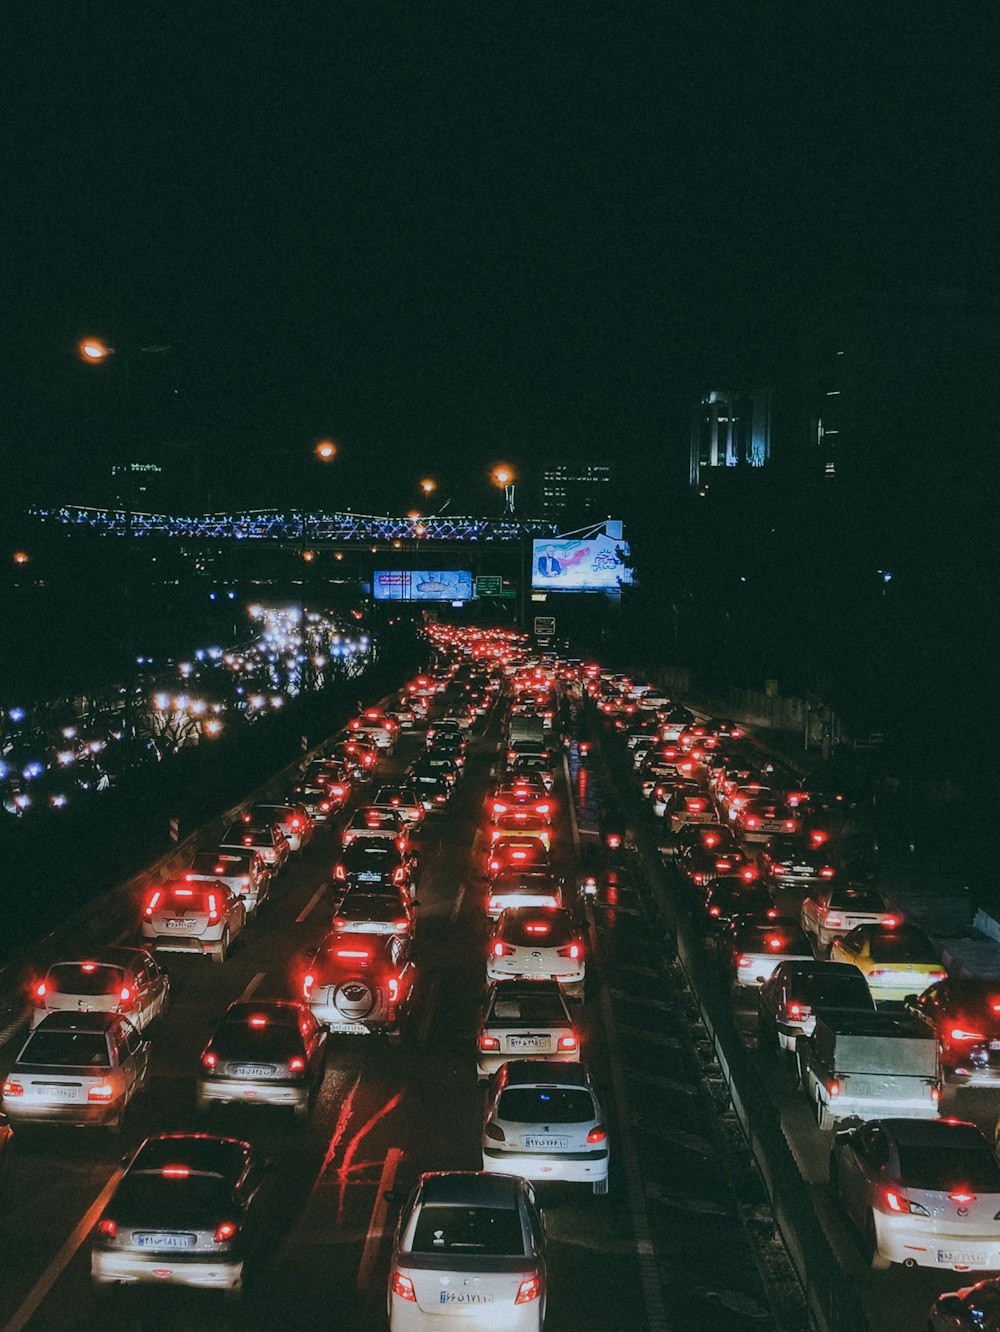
487,1043
403,1287
833,1090
775,942
752,822
743,961
151,904
361,954
568,1043
502,950
13,1089
529,1289
101,1091
209,1059
962,1034
817,837
890,922
494,864
400,924
614,841
895,1200
575,950
542,808
715,911
597,1134
107,1227
125,995
826,872
324,806
962,1197
296,823
213,910
296,1064
308,981
337,790
748,874
225,1231
519,855
40,991
258,1021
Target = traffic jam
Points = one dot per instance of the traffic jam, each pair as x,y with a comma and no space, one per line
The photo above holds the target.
406,1034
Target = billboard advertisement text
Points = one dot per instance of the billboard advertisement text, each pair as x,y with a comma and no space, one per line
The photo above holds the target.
593,564
422,585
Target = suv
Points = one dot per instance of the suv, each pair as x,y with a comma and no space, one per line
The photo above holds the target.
357,983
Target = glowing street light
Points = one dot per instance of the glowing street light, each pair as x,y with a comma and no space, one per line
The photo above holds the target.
504,476
21,557
326,450
94,350
428,486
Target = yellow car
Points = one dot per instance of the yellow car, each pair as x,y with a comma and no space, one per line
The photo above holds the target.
895,960
522,823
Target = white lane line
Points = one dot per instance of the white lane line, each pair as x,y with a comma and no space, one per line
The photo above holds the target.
428,1013
458,904
574,829
64,1257
652,1292
376,1226
254,986
310,904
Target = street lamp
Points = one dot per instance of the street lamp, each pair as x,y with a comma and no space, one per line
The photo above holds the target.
428,486
325,451
503,476
94,350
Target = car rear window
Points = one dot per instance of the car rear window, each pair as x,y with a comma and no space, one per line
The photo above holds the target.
164,1201
832,991
493,1231
941,1167
239,1040
68,1049
538,931
858,899
904,946
527,1009
545,1105
85,978
185,899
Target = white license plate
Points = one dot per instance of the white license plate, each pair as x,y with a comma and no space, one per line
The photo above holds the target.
348,1028
158,1240
995,1045
465,1297
961,1257
181,924
63,1093
546,1144
253,1071
529,1042
368,876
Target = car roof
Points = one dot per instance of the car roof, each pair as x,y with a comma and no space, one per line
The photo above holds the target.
106,957
470,1188
934,1132
819,969
544,1073
202,1152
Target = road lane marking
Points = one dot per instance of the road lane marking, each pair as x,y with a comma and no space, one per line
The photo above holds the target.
354,1144
573,826
652,1291
254,986
376,1226
427,1016
340,1128
310,904
64,1257
458,904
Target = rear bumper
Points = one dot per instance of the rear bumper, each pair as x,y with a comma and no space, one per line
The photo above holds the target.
251,1091
206,1271
565,1167
182,943
81,1114
871,1107
573,988
902,1238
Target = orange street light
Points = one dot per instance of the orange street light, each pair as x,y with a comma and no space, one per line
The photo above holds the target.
326,450
94,350
428,486
20,557
413,516
503,475
308,556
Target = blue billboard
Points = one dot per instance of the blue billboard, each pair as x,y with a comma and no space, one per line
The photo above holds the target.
422,585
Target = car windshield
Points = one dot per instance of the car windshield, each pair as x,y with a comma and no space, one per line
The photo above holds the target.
492,1231
545,1105
902,946
532,930
942,1167
69,1049
543,1010
85,978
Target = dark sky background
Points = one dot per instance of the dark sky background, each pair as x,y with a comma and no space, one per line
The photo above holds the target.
451,235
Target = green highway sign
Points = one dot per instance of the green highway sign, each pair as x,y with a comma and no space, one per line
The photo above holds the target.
489,585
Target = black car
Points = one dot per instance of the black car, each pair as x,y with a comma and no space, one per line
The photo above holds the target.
375,863
269,1052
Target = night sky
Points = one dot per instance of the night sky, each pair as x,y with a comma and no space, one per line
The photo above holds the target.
451,235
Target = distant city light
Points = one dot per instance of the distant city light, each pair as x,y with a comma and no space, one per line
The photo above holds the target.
16,714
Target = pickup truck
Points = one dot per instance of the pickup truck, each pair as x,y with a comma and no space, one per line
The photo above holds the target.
865,1065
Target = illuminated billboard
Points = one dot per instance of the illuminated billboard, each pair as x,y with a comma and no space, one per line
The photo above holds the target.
593,564
422,585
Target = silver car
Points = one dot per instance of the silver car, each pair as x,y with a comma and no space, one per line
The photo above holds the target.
544,1122
190,1210
128,981
77,1068
293,820
190,917
267,1052
242,871
527,1020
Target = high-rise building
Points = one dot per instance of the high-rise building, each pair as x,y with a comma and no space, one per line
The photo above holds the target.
576,493
729,431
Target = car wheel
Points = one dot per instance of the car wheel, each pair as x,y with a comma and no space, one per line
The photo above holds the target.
233,1294
220,956
203,1104
114,1126
767,1034
600,1186
397,1035
876,1260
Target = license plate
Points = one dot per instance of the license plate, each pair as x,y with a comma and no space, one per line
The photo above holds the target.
961,1257
995,1045
546,1144
348,1028
529,1042
254,1071
368,876
158,1240
465,1297
64,1093
802,869
180,924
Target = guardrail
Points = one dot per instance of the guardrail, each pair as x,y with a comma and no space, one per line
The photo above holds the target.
114,915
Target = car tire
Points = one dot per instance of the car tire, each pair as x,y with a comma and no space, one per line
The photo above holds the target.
203,1105
115,1126
396,1036
600,1186
223,950
767,1034
876,1261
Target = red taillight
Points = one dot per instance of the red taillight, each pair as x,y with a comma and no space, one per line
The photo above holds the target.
835,921
935,1093
296,1064
101,1091
399,874
494,1131
399,925
225,1231
748,874
151,904
393,988
324,806
542,808
209,1059
896,1201
494,864
176,1172
789,825
890,922
752,822
826,872
498,807
568,1043
296,823
774,942
125,995
833,1089
715,911
337,790
962,1197
529,1289
964,1034
339,872
817,837
743,961
308,981
502,950
39,993
403,1287
598,1134
213,910
575,951
108,1228
13,1089
614,841
488,1043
